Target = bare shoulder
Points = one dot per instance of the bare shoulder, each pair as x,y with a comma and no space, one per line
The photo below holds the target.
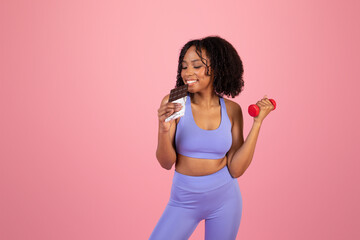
233,110
232,106
165,99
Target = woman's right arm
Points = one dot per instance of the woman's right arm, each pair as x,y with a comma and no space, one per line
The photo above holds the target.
165,152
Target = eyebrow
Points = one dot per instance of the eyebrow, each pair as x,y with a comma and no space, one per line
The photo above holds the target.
193,60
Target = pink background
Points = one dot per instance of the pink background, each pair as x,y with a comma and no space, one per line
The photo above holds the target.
80,85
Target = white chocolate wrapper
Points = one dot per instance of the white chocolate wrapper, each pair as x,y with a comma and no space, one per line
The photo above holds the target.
179,113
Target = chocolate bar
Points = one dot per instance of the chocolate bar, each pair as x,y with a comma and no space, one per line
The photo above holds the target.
178,95
178,92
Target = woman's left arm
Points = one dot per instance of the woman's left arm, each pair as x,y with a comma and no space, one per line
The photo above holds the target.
241,153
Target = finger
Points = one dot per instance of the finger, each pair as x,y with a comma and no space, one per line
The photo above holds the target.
167,107
169,113
162,111
263,99
168,104
266,101
177,108
260,104
165,115
166,111
173,104
265,105
170,107
162,118
179,105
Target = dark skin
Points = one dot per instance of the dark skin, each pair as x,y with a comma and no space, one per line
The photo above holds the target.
206,109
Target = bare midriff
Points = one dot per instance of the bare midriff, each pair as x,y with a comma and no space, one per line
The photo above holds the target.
198,166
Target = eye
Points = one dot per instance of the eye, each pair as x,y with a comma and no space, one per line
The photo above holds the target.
194,67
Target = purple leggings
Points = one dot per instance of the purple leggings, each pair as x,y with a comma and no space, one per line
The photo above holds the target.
215,198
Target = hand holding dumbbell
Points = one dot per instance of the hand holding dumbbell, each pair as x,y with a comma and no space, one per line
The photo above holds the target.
254,109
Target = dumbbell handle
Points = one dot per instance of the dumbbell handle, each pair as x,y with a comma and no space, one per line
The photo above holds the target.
254,109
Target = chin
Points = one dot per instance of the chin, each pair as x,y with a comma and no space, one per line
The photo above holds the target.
191,90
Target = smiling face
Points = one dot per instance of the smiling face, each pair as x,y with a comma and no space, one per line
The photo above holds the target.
193,71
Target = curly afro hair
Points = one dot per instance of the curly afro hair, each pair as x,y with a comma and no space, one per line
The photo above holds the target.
225,62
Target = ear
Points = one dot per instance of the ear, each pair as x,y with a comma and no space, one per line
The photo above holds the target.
210,71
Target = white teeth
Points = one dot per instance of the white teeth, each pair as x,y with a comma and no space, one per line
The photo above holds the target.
191,81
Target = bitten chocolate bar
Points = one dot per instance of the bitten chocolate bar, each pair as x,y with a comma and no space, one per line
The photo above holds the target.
178,92
178,95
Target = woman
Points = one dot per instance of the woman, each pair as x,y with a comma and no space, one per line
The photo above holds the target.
206,144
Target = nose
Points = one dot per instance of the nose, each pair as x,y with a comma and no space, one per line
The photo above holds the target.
188,72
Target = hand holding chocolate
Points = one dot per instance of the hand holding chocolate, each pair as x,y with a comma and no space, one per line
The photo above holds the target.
178,95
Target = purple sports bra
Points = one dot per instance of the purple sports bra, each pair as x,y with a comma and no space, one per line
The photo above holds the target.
193,141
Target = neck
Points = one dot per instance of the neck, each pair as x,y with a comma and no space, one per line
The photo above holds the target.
205,100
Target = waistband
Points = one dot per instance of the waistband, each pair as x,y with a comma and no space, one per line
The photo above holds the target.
202,183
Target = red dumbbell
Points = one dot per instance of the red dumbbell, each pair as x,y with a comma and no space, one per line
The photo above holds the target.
254,109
